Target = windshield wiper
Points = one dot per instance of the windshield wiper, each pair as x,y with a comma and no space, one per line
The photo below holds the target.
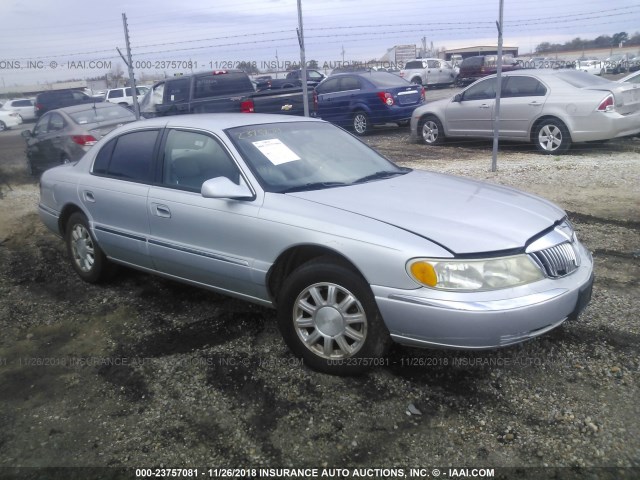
312,186
382,174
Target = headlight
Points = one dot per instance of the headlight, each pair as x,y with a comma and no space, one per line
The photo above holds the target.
474,275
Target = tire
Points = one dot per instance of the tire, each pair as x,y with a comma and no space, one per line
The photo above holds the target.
430,130
314,306
361,124
3,126
551,137
87,259
416,80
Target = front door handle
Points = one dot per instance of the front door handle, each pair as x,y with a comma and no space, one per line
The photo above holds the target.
484,105
161,211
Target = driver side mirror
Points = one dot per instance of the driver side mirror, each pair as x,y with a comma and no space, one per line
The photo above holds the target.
222,187
457,98
26,134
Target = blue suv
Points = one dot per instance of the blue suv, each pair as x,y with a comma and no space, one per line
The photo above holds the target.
360,100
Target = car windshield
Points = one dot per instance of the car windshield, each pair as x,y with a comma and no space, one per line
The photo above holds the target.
581,79
297,156
107,114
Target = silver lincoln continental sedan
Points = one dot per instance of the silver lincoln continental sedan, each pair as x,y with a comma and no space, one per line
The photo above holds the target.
353,251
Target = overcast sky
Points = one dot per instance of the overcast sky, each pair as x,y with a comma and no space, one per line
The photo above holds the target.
43,40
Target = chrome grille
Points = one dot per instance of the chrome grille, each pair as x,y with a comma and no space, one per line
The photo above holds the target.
557,261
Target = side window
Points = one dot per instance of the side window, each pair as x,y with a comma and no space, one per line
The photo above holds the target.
127,92
313,75
78,96
177,90
115,93
481,90
101,163
433,64
56,122
349,83
519,86
329,86
191,158
132,156
42,126
23,103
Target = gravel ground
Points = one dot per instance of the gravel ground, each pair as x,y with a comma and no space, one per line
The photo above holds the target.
144,372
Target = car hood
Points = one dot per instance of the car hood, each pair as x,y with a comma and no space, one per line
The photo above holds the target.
462,215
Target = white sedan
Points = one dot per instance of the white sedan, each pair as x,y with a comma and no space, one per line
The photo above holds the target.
23,106
9,119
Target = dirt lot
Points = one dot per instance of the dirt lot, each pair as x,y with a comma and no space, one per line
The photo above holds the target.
144,372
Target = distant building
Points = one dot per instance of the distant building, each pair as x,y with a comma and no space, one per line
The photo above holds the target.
400,54
479,50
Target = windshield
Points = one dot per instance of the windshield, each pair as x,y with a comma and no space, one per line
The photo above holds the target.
308,156
95,115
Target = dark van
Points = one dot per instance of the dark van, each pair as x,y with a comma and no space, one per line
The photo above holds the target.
53,99
473,68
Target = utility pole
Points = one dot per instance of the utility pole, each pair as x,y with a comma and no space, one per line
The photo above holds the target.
496,116
303,62
129,63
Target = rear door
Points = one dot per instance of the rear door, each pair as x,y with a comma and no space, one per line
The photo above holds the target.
522,101
115,195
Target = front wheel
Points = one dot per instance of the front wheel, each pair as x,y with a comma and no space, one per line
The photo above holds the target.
328,316
3,126
361,123
87,259
552,137
430,130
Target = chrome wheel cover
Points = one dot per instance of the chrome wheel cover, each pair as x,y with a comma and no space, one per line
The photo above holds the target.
82,248
330,321
360,123
430,131
550,138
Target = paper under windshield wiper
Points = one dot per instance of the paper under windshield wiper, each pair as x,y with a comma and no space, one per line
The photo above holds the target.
313,186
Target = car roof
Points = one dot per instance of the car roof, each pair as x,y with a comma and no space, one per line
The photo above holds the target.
85,106
218,121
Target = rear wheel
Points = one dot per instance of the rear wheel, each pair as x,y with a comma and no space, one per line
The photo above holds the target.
328,316
3,126
361,123
87,259
431,131
551,137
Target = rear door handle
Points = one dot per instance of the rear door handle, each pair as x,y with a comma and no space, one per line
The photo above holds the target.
535,104
484,105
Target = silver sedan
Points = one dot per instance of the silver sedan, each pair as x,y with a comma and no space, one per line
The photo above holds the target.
550,108
353,251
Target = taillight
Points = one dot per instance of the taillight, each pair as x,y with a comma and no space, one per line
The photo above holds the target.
402,73
386,98
315,101
84,140
246,106
39,106
423,92
219,72
607,105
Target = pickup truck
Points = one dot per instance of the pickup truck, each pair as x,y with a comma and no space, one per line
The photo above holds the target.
429,72
292,79
219,91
